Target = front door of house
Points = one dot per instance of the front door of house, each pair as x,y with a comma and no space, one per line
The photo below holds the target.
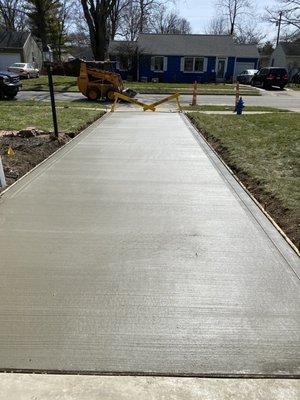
221,64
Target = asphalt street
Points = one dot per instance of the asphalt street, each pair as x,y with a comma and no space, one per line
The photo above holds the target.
286,99
133,250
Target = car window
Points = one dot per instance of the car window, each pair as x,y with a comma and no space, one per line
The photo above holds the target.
18,65
278,71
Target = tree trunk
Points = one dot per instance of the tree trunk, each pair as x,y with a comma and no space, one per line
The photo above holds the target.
101,42
96,15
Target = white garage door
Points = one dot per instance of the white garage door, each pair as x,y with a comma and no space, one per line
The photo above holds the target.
7,59
241,66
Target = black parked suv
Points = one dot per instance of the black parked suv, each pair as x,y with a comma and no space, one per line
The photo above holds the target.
268,77
9,85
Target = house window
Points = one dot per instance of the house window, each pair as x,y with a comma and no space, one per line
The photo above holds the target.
199,64
124,63
193,64
188,64
157,64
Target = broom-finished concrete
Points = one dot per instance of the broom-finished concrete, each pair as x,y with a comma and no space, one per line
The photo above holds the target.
133,250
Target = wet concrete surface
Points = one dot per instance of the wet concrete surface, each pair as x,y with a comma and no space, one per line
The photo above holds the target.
133,250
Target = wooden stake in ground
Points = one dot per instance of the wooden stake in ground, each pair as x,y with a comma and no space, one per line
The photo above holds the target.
237,94
194,100
2,176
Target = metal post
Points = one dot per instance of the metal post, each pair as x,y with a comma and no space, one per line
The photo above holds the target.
279,27
50,81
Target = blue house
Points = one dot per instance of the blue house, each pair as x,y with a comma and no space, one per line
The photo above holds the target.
183,58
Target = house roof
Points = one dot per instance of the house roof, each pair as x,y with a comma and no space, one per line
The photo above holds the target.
13,40
116,45
291,49
192,45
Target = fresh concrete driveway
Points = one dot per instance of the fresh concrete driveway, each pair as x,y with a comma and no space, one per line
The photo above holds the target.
133,250
287,99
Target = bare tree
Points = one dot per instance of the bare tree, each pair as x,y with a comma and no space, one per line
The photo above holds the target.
168,22
233,10
217,26
290,15
116,16
130,21
249,33
12,16
59,27
145,10
97,14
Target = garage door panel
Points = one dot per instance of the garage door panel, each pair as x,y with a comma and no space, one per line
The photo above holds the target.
7,59
242,66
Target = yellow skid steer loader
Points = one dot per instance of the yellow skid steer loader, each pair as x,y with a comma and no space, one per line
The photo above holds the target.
95,83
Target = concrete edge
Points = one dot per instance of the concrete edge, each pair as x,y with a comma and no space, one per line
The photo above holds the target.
232,376
279,239
63,149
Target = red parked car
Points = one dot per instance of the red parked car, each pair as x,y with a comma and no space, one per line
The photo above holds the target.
268,77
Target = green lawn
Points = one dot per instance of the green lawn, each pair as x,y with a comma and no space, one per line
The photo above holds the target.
72,116
264,151
230,108
69,84
203,88
294,86
61,83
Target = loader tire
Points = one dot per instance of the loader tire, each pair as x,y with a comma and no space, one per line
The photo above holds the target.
93,94
110,95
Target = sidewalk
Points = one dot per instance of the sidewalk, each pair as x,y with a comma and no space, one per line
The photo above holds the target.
133,250
68,387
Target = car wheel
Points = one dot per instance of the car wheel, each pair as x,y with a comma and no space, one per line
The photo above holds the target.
265,86
281,87
110,95
11,96
38,75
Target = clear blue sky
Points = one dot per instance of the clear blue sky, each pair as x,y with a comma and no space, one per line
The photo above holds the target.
199,13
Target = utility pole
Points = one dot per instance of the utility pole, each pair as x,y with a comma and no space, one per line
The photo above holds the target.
278,23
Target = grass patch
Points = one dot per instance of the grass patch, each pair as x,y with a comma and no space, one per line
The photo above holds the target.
72,116
294,86
185,88
263,150
231,108
69,84
84,103
60,83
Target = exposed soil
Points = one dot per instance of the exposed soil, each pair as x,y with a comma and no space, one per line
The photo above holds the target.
28,152
283,216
